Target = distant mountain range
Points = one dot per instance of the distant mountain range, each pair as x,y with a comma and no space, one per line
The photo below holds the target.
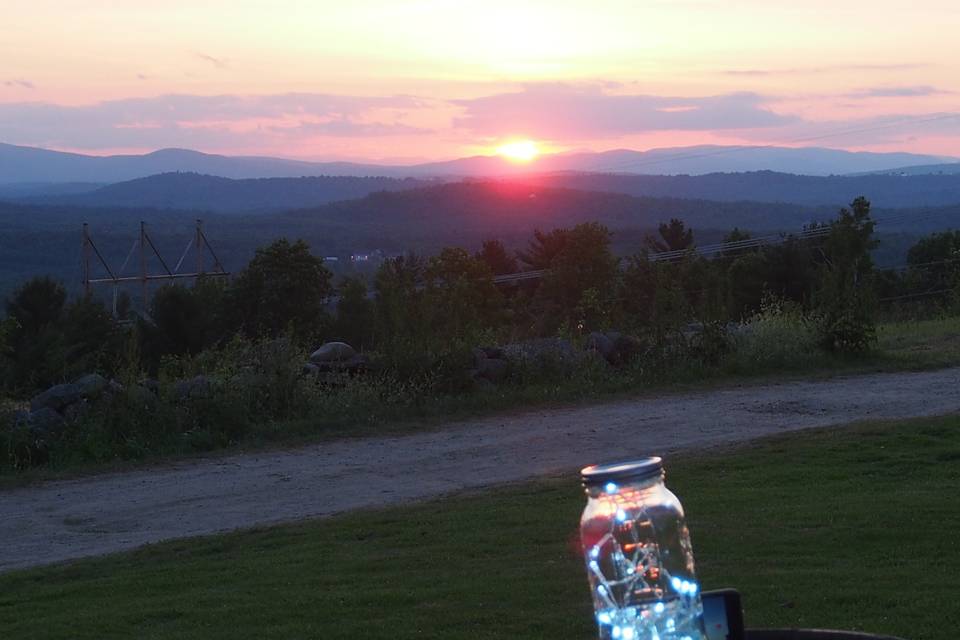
699,160
20,165
34,165
195,192
950,168
192,191
882,189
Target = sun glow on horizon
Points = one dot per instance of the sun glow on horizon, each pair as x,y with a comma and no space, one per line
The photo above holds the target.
519,151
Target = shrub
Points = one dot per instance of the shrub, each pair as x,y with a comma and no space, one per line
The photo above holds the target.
779,335
19,447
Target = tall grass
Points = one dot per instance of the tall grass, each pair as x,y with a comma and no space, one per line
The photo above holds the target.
256,392
779,336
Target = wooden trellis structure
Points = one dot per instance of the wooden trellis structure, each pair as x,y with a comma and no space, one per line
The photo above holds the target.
198,243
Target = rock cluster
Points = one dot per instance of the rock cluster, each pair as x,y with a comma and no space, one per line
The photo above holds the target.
615,347
492,365
52,409
334,358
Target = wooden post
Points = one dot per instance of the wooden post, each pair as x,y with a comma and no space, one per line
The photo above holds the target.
143,265
199,243
85,257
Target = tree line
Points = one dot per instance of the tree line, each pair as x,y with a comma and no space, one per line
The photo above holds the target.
415,310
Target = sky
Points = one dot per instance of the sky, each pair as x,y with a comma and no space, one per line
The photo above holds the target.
416,80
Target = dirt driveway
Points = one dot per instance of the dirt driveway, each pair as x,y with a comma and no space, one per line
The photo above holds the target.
91,516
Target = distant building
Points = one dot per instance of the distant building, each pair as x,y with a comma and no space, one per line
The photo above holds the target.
368,256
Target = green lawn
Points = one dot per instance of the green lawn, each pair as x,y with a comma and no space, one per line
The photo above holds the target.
852,528
924,343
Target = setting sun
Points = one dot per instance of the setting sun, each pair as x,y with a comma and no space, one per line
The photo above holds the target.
519,151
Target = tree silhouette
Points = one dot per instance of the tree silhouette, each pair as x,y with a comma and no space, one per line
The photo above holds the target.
495,256
544,248
37,304
284,286
674,236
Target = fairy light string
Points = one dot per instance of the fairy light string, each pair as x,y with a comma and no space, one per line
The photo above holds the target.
641,599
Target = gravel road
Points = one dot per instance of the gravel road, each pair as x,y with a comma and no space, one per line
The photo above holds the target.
64,520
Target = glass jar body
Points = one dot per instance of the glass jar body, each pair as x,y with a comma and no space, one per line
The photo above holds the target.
639,562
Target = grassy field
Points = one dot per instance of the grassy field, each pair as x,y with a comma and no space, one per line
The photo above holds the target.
851,528
923,343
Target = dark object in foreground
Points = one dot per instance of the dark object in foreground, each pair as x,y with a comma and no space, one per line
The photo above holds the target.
810,634
723,620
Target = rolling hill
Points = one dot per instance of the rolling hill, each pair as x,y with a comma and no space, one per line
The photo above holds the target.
33,165
883,189
193,191
45,239
948,168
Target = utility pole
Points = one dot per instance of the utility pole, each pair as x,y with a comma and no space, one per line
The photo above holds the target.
143,264
199,243
85,257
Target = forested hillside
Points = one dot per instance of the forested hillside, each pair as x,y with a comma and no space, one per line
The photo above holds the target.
194,191
186,190
884,190
46,239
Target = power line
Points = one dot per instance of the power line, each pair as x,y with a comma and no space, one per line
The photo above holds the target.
818,231
916,295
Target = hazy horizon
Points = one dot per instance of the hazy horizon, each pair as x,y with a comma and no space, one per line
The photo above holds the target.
429,80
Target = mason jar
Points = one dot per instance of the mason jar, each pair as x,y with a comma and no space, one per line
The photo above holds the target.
639,561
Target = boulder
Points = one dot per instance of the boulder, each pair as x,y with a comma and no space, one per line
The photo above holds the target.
493,352
540,350
45,421
20,418
142,397
493,369
249,380
357,364
625,348
479,355
56,397
593,361
310,369
91,385
483,385
196,387
75,411
739,330
600,343
333,352
113,390
692,330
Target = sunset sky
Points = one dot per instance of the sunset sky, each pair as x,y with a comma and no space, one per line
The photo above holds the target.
422,80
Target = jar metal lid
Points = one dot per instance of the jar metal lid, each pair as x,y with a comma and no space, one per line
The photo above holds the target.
634,470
